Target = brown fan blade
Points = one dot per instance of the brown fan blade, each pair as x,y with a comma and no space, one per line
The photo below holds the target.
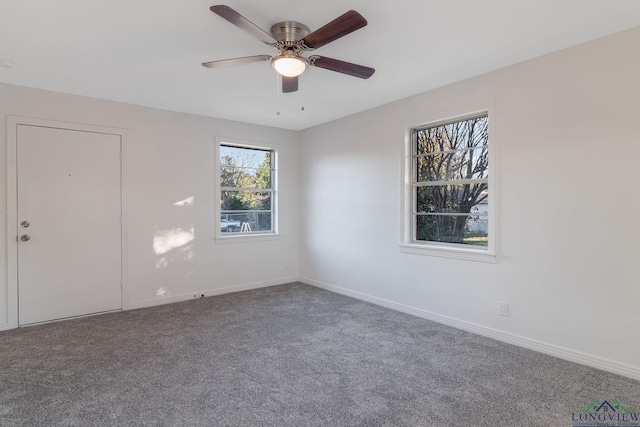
235,61
289,84
339,27
342,67
243,23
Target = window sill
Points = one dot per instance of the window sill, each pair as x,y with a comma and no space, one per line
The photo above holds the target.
448,252
251,238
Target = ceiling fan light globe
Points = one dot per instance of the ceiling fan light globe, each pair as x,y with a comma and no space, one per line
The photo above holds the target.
289,66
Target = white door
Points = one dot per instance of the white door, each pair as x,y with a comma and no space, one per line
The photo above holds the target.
69,227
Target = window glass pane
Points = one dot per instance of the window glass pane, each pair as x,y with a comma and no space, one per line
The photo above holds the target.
242,177
468,133
460,229
245,201
467,164
245,167
465,198
248,157
247,222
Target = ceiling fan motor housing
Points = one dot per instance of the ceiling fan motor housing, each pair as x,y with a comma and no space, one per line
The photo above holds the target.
289,31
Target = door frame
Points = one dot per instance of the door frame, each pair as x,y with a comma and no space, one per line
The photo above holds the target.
12,203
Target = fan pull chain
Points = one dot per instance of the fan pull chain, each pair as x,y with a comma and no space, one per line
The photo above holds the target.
278,93
301,92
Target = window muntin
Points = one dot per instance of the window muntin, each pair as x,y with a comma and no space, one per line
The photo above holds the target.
246,190
450,183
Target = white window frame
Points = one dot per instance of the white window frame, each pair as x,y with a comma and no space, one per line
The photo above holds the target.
254,236
449,250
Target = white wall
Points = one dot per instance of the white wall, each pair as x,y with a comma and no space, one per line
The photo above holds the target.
567,146
170,158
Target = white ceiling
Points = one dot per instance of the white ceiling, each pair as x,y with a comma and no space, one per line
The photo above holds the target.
148,52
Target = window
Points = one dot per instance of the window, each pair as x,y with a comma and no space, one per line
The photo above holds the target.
449,186
247,195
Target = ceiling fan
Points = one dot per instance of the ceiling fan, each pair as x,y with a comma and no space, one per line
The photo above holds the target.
292,39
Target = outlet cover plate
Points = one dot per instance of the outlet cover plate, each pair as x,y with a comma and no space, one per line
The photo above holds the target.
503,309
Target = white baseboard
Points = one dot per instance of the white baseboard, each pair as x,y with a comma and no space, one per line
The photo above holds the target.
208,293
5,327
531,344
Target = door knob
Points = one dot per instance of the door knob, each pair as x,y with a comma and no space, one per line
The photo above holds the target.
25,237
25,224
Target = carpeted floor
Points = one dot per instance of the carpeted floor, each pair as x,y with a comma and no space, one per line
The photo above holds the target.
290,355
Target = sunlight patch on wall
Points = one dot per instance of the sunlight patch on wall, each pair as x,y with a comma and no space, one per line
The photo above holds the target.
162,262
167,240
186,202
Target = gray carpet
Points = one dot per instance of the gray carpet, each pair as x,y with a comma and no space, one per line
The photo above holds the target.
290,355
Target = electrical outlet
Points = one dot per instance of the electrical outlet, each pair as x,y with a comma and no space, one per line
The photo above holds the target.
503,309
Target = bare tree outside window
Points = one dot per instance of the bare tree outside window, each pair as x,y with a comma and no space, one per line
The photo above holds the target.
450,182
